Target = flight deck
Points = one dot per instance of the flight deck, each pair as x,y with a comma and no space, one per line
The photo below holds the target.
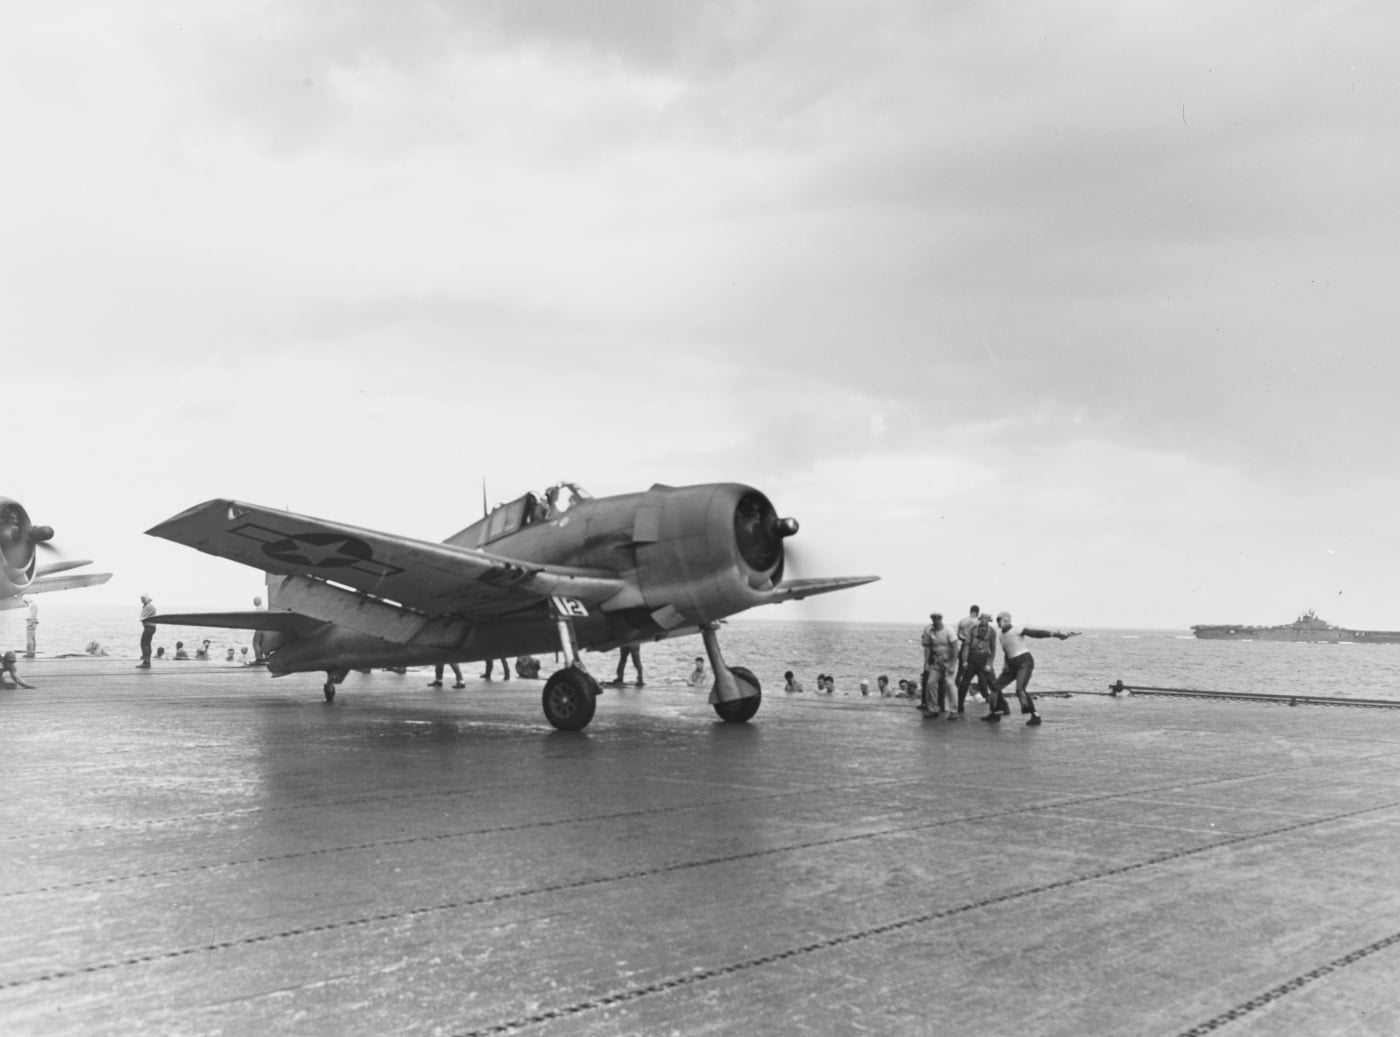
200,849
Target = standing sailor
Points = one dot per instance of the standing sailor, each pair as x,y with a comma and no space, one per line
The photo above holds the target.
965,627
31,628
148,631
980,653
940,655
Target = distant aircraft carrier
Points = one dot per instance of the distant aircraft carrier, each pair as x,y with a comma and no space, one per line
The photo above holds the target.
1307,627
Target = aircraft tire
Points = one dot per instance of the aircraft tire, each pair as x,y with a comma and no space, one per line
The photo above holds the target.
329,690
741,711
570,698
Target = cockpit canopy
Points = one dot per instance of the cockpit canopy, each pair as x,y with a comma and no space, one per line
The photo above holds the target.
529,510
560,497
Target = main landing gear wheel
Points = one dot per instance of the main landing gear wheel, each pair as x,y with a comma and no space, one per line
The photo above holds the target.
570,697
739,711
329,690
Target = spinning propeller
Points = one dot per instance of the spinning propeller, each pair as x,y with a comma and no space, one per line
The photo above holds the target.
759,535
19,537
775,562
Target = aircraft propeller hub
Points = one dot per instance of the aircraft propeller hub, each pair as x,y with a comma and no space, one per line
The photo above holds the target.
758,532
786,527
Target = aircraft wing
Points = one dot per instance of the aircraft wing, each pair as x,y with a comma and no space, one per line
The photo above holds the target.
54,583
796,590
435,579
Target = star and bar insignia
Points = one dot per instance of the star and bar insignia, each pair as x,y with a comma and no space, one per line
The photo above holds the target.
317,550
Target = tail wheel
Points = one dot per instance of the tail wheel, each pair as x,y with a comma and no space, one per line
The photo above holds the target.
333,677
570,698
740,711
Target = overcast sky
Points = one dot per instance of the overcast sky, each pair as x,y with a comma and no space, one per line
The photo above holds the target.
1081,310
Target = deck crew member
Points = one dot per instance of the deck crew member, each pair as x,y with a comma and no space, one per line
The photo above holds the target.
631,650
981,652
7,669
940,655
148,631
1019,666
259,649
965,626
436,682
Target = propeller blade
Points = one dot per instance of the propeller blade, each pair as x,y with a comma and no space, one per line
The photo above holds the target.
61,567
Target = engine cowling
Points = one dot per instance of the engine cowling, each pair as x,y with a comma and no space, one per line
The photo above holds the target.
706,552
19,540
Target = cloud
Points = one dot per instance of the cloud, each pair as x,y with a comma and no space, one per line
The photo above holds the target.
954,283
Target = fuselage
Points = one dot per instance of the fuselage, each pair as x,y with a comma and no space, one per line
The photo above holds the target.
686,557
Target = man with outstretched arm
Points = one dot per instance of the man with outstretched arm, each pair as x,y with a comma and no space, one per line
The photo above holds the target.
1019,667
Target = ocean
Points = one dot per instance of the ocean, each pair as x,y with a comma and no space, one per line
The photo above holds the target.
851,652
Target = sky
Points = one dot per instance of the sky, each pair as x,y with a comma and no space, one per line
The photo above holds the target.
1081,311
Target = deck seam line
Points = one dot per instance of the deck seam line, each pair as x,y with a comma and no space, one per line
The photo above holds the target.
714,972
1296,983
390,916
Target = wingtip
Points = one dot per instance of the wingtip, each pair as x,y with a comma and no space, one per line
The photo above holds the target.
163,529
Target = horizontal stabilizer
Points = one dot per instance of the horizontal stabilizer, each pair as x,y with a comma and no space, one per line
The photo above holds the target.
253,619
56,583
796,590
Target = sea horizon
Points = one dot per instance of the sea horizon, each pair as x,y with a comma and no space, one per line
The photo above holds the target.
852,651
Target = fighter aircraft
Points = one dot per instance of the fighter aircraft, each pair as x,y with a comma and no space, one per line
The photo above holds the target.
533,575
20,571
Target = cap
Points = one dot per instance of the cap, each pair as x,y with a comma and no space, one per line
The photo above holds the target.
1003,615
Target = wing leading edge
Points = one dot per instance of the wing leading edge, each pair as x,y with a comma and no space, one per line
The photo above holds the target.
54,583
796,590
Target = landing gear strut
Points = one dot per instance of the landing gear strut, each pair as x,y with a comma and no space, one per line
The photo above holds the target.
571,694
333,677
736,694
